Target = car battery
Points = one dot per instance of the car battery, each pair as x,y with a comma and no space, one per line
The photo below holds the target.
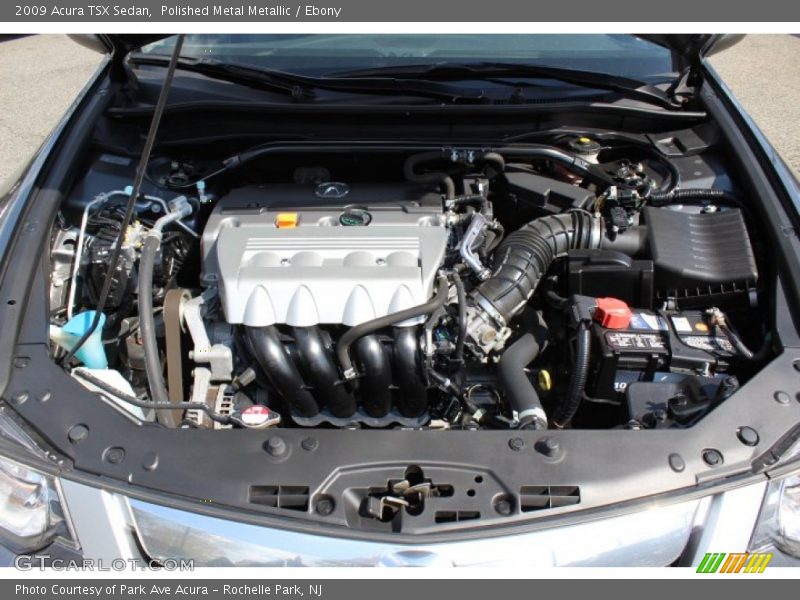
645,341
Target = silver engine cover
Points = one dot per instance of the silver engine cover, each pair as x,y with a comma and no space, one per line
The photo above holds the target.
321,271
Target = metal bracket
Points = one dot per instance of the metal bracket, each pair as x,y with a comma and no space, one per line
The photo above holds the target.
219,357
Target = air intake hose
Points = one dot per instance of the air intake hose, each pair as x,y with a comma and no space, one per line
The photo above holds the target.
523,258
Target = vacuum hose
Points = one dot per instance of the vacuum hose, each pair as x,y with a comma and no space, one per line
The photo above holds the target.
434,177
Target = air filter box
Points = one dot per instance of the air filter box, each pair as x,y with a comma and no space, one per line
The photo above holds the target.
700,251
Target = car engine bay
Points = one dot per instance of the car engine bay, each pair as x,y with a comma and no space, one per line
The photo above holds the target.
586,281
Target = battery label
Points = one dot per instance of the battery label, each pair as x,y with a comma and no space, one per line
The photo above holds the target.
624,340
708,343
647,321
682,324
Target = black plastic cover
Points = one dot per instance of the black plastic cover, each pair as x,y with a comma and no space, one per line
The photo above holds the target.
610,273
699,249
544,193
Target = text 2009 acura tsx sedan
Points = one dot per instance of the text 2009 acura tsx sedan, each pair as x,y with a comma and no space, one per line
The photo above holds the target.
402,300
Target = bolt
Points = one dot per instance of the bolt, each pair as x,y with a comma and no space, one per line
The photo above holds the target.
324,506
748,436
516,444
78,433
550,447
45,396
782,398
380,262
676,462
20,397
310,444
503,506
21,362
276,446
115,455
712,457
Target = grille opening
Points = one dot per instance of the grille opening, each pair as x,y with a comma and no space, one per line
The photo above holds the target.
454,516
289,497
543,497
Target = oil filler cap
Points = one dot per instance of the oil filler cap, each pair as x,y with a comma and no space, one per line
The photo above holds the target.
612,313
287,220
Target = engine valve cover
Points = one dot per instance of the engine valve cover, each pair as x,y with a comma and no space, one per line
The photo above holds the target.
325,265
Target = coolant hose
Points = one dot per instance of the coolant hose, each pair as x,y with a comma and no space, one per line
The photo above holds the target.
577,383
434,177
519,390
358,331
147,328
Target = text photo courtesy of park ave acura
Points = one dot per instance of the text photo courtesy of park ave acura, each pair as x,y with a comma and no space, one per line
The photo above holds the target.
157,589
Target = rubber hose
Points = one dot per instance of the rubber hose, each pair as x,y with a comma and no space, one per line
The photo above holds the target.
496,161
461,298
358,331
434,177
147,328
495,235
525,255
577,383
519,390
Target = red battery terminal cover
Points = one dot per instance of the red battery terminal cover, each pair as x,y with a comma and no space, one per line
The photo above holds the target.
612,313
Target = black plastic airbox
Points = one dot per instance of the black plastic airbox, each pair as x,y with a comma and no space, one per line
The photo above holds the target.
700,250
